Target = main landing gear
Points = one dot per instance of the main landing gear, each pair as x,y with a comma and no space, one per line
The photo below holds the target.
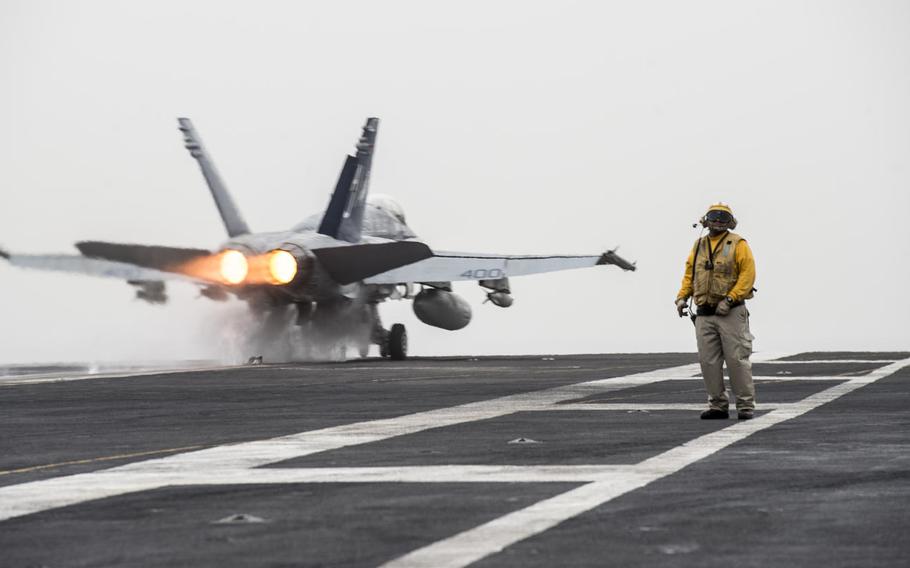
393,343
398,342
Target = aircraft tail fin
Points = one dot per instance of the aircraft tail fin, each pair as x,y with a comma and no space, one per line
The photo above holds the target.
233,221
331,220
343,218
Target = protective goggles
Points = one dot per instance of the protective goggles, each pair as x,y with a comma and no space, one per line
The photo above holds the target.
717,216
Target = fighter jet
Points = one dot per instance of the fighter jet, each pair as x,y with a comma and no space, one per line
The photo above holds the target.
329,271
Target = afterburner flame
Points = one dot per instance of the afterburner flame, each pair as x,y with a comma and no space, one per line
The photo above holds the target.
233,267
282,266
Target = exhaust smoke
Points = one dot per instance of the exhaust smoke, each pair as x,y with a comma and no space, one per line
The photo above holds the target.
327,333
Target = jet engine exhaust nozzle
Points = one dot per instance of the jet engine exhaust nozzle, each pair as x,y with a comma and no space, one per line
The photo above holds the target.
282,266
233,266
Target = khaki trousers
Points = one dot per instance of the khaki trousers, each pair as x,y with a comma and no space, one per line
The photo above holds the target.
726,339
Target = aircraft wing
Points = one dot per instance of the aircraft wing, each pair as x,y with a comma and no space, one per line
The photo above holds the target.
453,266
347,264
93,267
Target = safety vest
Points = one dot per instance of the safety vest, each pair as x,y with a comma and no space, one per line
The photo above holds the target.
710,284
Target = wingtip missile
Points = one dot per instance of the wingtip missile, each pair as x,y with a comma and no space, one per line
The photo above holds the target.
610,257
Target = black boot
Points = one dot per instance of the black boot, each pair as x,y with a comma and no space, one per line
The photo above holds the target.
715,414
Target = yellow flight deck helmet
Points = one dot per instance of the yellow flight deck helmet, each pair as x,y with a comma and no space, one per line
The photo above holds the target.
721,208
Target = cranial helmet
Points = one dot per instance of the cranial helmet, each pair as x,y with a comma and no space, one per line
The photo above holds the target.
719,212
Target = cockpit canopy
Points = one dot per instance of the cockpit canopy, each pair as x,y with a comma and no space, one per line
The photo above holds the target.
383,218
387,204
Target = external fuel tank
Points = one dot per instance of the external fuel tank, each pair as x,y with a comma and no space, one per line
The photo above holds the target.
442,309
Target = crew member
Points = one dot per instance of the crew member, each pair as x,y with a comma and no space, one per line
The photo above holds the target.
720,273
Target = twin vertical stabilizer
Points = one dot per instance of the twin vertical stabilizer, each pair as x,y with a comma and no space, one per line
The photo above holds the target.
233,221
343,218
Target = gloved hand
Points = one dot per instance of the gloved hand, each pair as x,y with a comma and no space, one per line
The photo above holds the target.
681,306
723,308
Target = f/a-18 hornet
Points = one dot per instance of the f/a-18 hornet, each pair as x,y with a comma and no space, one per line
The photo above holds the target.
334,268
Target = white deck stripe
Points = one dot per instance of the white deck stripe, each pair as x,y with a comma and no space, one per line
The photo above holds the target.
783,378
227,464
36,496
415,474
813,361
258,453
786,378
651,407
492,537
67,376
633,407
12,380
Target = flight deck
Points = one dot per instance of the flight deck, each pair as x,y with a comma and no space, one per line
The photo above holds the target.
551,460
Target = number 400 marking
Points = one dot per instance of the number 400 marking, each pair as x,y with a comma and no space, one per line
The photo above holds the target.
482,273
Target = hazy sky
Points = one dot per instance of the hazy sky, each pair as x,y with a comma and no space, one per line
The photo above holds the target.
512,127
